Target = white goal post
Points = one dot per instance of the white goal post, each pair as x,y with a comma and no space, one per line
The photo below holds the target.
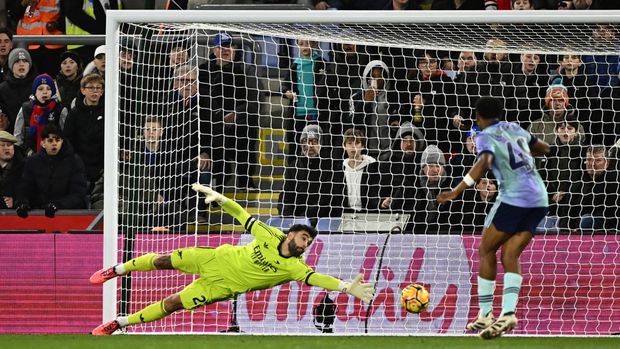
571,285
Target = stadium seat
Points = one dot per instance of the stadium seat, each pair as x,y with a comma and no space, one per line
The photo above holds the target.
283,223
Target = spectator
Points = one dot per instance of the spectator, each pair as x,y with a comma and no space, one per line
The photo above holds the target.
307,90
462,162
309,183
84,17
11,168
43,108
399,168
433,95
344,78
519,5
571,74
43,17
561,163
524,90
4,121
593,202
467,215
602,71
557,108
6,45
231,96
370,107
97,65
69,77
17,87
53,179
467,89
360,174
84,127
464,5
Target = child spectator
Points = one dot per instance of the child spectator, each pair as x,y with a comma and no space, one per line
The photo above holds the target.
69,77
53,179
571,74
11,167
361,176
84,126
306,89
17,86
97,66
519,5
557,108
43,109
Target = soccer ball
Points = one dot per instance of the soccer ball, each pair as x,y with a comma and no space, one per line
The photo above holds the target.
414,298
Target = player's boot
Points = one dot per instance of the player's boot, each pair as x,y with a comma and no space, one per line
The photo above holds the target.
504,324
103,275
106,329
481,323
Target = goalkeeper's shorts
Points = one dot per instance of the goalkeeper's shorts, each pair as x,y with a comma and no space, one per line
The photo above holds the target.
208,288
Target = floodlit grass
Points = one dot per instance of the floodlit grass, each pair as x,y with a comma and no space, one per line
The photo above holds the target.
285,342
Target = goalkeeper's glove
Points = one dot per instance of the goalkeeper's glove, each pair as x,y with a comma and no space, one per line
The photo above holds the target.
210,194
356,288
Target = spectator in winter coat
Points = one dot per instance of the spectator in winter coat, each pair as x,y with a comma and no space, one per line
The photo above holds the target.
17,86
11,168
6,45
42,109
84,126
69,77
53,179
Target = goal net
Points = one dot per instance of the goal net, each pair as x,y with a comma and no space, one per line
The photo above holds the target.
353,123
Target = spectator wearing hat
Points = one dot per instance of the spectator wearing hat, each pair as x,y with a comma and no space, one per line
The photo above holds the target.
557,108
309,182
17,87
399,167
231,105
69,77
11,167
6,45
97,65
53,179
433,179
42,109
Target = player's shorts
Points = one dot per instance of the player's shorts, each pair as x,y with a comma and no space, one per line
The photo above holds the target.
513,219
209,287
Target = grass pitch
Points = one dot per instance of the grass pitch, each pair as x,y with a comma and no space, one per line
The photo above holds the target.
297,342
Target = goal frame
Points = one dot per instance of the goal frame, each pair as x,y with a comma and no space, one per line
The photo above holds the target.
116,18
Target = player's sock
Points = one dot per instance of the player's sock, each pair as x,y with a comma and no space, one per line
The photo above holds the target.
153,312
142,263
485,295
512,286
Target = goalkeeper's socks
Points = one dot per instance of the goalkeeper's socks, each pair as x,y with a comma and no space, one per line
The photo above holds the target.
142,263
512,286
153,312
486,288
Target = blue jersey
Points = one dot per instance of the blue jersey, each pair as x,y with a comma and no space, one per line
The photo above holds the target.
513,165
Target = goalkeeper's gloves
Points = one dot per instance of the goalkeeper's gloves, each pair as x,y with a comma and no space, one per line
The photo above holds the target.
356,288
22,210
210,194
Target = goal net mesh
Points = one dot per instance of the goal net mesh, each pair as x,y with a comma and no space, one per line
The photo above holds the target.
354,129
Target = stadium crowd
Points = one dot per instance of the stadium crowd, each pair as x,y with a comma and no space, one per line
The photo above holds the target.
369,129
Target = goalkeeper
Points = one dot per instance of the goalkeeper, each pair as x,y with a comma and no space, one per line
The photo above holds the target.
271,259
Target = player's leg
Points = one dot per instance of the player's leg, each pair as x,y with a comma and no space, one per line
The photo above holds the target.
491,241
147,262
152,312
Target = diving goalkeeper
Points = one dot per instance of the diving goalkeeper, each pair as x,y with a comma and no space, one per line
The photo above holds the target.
272,258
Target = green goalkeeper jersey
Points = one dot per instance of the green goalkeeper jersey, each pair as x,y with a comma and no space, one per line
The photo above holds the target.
259,265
